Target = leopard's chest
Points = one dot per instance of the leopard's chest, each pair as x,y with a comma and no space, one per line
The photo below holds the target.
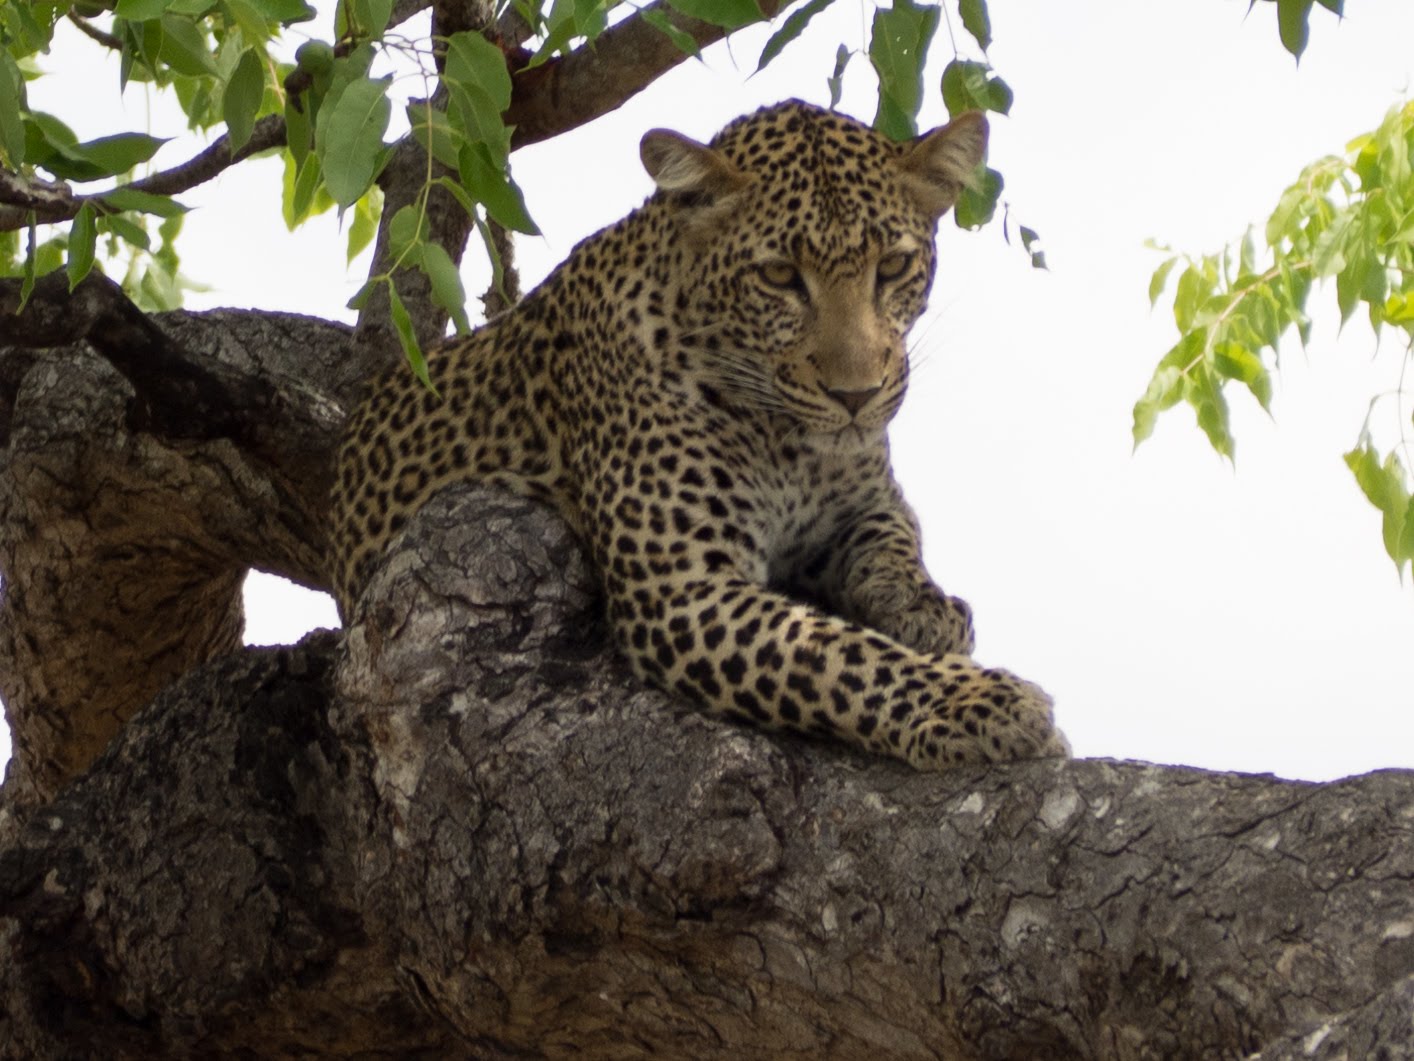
804,501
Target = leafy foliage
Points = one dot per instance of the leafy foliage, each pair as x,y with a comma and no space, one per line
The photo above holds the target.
226,62
1347,219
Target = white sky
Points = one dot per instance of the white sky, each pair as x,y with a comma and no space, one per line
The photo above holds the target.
1178,610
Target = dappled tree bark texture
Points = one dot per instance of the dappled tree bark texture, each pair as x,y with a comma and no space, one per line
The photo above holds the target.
133,499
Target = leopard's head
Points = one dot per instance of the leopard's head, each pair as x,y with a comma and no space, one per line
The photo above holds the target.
805,244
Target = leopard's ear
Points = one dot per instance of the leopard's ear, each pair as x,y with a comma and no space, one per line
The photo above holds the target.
678,164
939,165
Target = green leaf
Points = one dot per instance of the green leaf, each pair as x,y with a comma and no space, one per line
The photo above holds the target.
729,14
1159,280
361,296
126,198
1164,391
1194,288
141,10
1203,392
493,254
120,153
1166,386
366,214
976,21
12,102
682,40
447,290
407,228
303,194
969,86
898,45
1236,361
50,143
793,26
185,48
27,34
194,8
125,229
836,80
475,62
1383,486
978,202
241,100
461,195
411,350
1405,547
348,139
1291,24
571,19
488,181
480,87
83,236
1400,308
1246,256
435,132
284,11
1285,220
253,24
299,128
372,16
1029,238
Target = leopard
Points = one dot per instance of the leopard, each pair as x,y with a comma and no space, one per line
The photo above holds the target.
702,389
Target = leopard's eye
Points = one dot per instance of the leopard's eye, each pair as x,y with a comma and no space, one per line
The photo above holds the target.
892,266
782,274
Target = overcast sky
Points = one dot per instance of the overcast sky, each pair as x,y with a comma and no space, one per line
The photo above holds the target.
1178,609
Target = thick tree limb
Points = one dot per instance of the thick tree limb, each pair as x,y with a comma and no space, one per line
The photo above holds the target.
183,393
479,828
131,508
595,79
52,203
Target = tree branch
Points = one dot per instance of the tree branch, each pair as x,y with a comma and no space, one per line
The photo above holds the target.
469,821
131,505
53,203
89,30
181,396
596,78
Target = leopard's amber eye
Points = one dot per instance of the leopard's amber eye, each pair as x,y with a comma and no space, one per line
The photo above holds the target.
782,274
892,266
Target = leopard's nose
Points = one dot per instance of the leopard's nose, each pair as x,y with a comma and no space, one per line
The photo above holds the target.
854,400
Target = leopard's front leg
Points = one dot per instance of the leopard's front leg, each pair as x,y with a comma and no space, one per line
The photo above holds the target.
873,573
747,652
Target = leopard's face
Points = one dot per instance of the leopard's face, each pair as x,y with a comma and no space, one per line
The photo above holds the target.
807,239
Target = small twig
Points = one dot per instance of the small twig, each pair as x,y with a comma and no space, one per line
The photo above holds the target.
88,29
55,203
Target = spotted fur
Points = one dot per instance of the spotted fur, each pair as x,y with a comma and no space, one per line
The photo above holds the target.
703,389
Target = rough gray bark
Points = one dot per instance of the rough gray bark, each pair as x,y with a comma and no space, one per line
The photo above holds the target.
462,829
131,507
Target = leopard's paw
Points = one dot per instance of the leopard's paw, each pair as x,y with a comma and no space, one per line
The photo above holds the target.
915,614
988,715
